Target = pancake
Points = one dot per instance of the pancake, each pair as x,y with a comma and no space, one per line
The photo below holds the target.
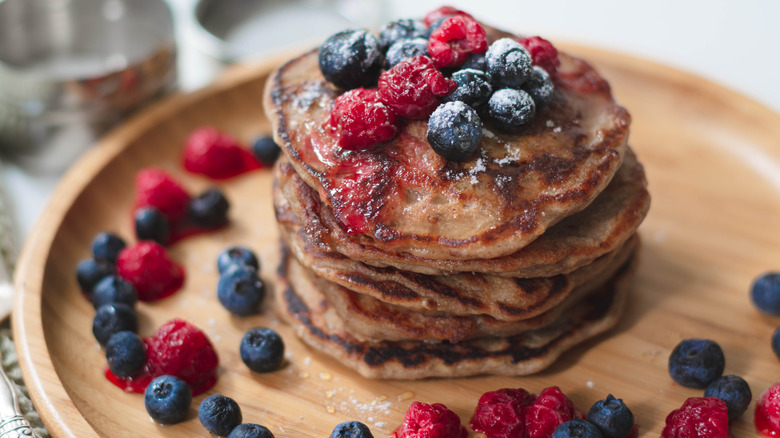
317,323
407,199
504,298
574,242
370,319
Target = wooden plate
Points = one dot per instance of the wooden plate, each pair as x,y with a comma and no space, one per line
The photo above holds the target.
714,170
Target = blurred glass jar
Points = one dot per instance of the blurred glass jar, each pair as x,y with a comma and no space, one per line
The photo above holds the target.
71,69
215,33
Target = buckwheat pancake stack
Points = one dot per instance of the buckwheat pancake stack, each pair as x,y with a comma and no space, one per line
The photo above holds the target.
404,265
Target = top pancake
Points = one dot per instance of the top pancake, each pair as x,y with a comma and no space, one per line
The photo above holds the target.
409,199
574,242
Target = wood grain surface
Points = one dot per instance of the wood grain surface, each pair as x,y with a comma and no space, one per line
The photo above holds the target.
713,164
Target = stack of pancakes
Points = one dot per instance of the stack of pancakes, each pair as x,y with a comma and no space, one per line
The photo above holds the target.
402,264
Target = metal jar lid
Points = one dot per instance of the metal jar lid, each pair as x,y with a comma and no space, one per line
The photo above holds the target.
70,69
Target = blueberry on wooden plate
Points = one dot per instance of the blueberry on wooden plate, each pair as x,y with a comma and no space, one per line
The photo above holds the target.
152,224
733,390
219,414
695,363
113,318
240,290
168,399
766,293
351,429
209,209
612,417
250,430
577,429
262,350
114,289
106,247
237,255
125,354
89,272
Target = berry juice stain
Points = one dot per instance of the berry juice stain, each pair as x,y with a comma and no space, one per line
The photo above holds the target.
138,384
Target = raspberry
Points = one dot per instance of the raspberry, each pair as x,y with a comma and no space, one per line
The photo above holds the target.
430,421
147,266
361,120
412,88
508,413
180,349
699,417
767,416
543,53
217,155
457,38
444,11
550,409
501,414
155,188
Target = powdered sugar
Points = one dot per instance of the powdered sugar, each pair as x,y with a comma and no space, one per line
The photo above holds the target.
312,92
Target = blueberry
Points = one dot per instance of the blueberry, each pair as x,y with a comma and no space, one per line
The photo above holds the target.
113,318
168,399
454,131
696,362
351,429
508,63
152,224
351,59
209,209
237,255
403,29
733,390
219,414
766,293
539,86
473,87
577,429
114,289
405,49
106,247
250,430
125,354
612,417
262,350
240,290
475,61
89,272
266,150
776,342
511,110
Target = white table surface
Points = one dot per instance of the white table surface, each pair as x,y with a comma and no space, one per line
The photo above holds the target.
734,43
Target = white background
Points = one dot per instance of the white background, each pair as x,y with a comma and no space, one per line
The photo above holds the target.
734,43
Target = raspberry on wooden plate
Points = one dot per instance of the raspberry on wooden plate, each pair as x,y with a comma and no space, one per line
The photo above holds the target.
430,421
